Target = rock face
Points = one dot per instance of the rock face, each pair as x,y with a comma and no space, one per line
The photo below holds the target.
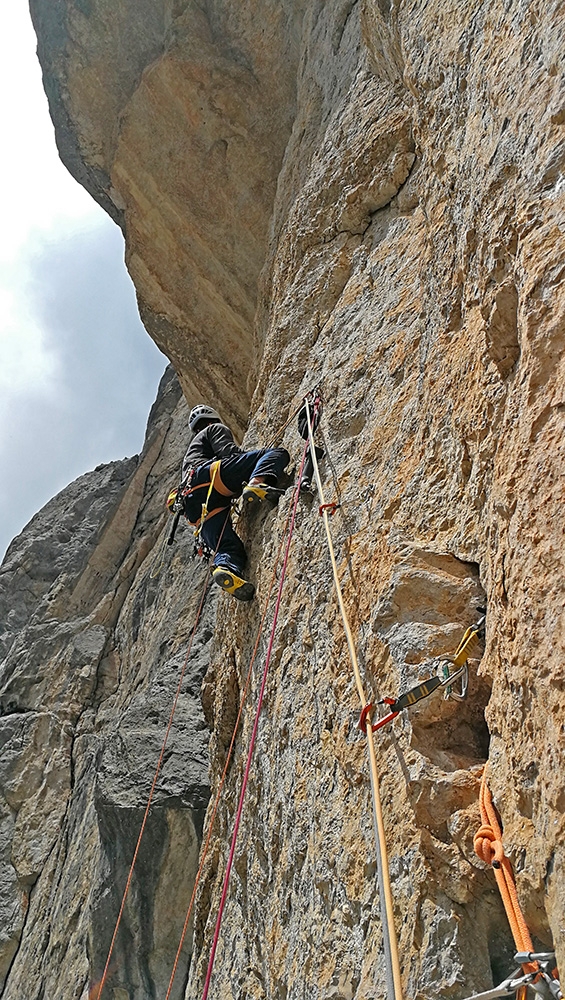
366,197
92,645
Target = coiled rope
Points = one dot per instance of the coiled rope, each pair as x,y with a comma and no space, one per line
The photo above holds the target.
253,737
489,848
394,984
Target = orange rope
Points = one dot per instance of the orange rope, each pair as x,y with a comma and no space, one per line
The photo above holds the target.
228,759
488,846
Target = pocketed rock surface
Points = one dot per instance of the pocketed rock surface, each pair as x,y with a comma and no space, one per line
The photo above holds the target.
367,197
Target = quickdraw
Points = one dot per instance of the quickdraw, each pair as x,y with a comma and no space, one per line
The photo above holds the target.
470,640
330,507
542,980
426,688
175,503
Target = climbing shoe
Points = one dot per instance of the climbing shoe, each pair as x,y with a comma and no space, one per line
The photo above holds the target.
232,584
254,495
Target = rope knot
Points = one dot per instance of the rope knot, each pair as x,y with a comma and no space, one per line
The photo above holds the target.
488,847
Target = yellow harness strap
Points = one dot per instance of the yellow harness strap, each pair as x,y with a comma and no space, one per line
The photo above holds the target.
215,484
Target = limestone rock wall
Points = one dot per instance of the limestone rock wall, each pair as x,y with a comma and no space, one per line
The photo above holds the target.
175,115
415,276
375,207
92,650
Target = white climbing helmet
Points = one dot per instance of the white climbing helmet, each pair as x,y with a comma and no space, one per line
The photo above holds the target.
202,412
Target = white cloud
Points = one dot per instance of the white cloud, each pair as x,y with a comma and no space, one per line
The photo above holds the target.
26,361
77,371
36,193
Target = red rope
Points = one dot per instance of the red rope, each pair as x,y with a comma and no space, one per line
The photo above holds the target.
156,775
204,852
253,738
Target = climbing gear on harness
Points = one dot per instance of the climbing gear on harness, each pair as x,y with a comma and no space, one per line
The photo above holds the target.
173,499
175,503
426,688
542,982
232,584
390,943
254,495
176,508
201,550
202,412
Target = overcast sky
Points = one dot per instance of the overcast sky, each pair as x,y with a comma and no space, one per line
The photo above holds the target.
78,372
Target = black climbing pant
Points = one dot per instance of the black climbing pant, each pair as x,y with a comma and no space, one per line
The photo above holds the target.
233,473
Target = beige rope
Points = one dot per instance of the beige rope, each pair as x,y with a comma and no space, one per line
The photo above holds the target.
387,913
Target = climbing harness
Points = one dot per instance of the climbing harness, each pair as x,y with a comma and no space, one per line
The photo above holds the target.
178,496
204,851
392,963
253,736
541,981
427,688
175,504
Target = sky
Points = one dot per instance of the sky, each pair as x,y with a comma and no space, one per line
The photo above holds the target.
78,372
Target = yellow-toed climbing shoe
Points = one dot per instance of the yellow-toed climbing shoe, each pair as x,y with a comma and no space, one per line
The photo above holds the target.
233,584
254,495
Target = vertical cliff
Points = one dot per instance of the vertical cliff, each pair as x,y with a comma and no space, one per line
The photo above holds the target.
92,641
366,197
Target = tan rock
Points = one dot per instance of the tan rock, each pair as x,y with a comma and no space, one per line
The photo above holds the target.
369,198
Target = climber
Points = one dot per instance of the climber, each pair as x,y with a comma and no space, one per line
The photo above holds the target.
214,471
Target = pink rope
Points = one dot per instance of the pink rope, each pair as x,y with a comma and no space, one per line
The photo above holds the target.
156,775
253,738
152,791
